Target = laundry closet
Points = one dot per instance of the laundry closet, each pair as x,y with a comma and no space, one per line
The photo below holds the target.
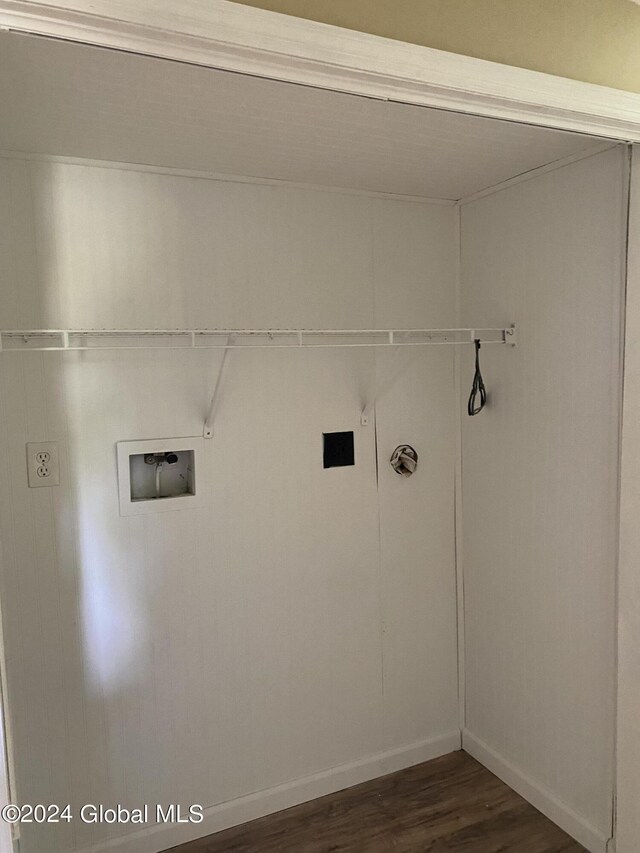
279,286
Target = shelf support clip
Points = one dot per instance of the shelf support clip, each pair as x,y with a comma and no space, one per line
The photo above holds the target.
510,336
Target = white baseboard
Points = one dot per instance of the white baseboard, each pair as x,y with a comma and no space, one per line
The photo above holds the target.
572,823
158,838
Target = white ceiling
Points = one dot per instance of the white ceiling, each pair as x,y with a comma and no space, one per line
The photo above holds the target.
74,100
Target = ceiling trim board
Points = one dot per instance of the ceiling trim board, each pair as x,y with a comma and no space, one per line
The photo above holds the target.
539,170
225,35
220,176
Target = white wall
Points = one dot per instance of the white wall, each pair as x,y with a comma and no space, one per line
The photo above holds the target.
304,620
540,487
628,742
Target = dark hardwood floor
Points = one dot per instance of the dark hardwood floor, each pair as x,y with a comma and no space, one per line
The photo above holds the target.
448,804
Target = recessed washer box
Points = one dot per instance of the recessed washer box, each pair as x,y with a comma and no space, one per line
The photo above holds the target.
160,474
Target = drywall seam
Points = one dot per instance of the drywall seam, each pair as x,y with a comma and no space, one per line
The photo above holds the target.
458,518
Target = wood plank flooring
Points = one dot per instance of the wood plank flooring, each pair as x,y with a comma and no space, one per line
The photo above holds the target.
448,804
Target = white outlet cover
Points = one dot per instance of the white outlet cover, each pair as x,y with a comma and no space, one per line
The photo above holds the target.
43,464
126,449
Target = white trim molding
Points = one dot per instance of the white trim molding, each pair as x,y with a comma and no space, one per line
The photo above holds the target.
542,799
226,35
158,837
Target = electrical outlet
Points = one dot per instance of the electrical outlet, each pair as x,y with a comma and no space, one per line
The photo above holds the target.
43,467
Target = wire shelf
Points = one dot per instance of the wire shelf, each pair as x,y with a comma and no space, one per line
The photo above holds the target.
56,340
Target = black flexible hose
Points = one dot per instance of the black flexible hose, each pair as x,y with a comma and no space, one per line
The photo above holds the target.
477,388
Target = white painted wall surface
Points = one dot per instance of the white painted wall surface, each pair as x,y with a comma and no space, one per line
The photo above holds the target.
305,619
540,486
628,741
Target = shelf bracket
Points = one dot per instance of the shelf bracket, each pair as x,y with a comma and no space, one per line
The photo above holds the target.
208,424
365,415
